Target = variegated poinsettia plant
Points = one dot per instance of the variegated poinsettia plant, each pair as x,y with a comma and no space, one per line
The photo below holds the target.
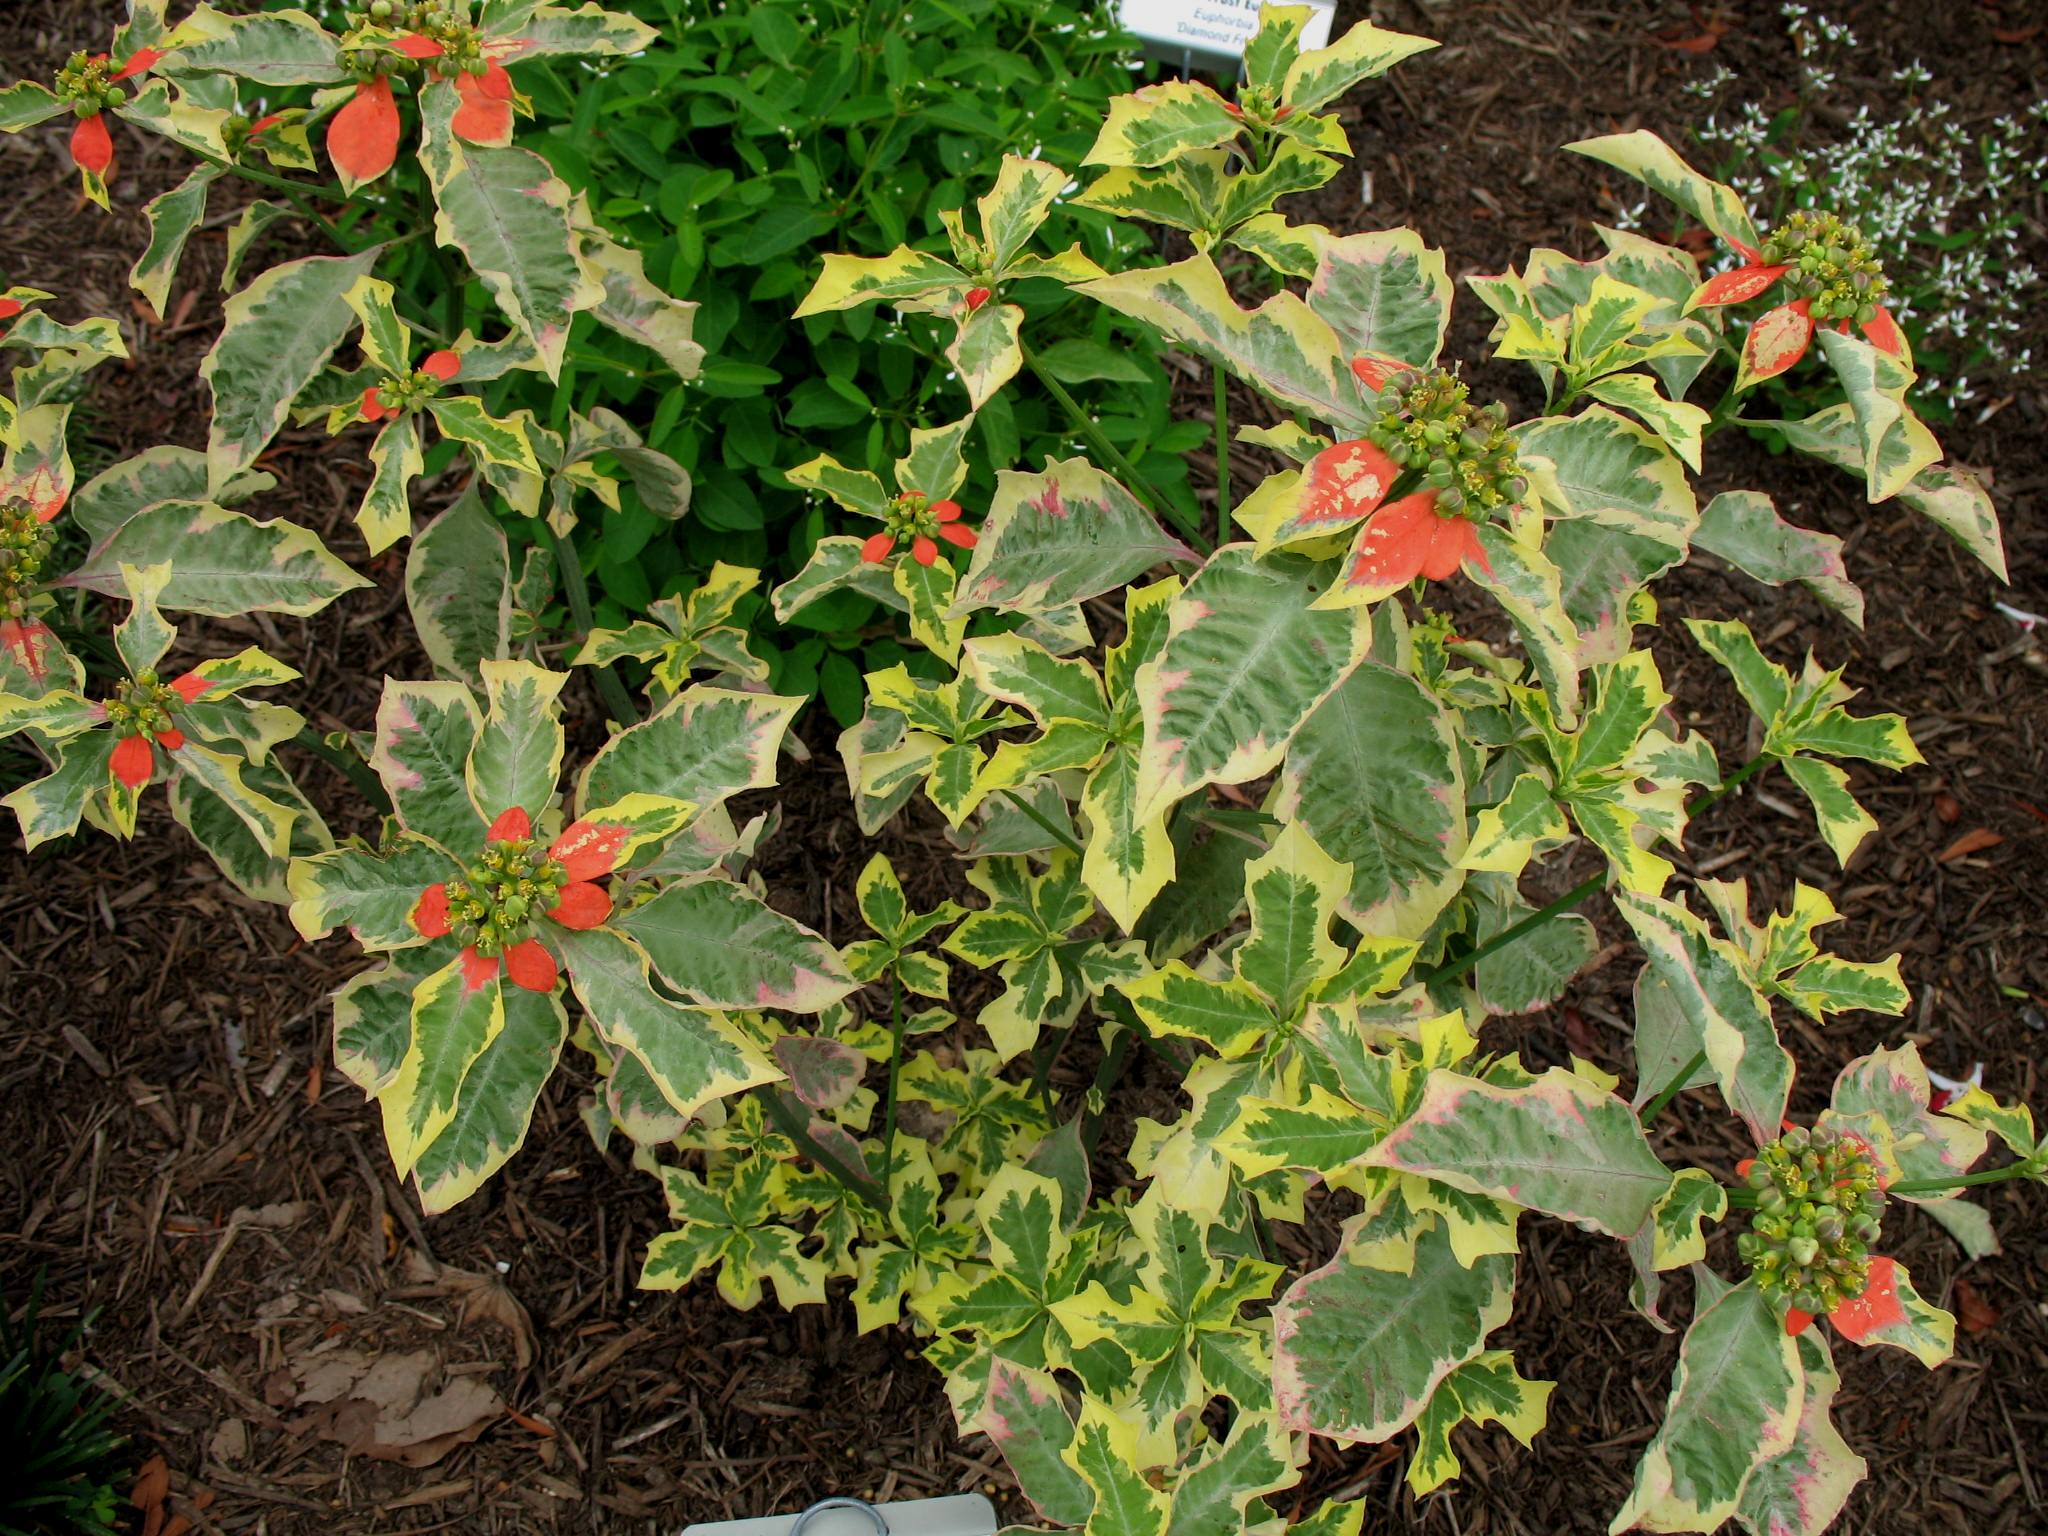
1241,799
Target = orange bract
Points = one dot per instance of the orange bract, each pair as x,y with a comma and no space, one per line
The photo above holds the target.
362,138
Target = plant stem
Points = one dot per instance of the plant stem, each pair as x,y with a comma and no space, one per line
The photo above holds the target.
349,766
1671,1089
616,700
786,1121
1222,453
2026,1169
1060,834
895,1065
1450,970
1134,482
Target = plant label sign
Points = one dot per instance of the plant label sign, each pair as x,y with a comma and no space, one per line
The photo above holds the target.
1212,32
960,1514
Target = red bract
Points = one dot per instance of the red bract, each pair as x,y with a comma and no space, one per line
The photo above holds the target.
877,547
1857,1319
443,365
976,297
586,851
9,308
923,550
485,113
133,761
1409,538
1373,369
362,138
92,147
417,45
138,61
1778,339
1736,287
374,408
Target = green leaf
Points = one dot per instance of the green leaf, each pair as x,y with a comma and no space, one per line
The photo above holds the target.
277,334
703,746
222,563
1062,535
1735,1402
1358,1350
723,947
693,1055
1247,660
458,588
508,214
1744,529
1559,1145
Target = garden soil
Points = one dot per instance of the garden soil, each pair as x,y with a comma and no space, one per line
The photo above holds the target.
182,1161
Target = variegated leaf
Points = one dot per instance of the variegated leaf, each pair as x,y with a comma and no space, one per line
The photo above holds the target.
1061,536
1735,1405
507,212
495,1105
723,947
693,1054
222,562
1559,1145
1359,1347
278,334
1247,660
1374,776
704,745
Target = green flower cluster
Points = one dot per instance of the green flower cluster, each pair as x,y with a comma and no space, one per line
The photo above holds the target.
408,391
83,82
1427,423
142,703
1817,1209
448,25
494,908
25,542
1832,265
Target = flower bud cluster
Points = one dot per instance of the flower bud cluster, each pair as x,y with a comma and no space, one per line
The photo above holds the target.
447,24
1817,1213
911,513
1832,265
141,705
84,82
25,542
1427,423
512,883
407,391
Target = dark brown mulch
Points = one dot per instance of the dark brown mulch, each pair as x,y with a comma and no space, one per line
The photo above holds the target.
183,1162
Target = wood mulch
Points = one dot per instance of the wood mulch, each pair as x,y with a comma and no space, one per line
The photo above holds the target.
184,1162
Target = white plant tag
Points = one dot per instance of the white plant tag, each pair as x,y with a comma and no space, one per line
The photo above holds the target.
1209,30
962,1514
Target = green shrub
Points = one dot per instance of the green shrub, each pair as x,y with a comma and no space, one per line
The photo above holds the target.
63,1457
